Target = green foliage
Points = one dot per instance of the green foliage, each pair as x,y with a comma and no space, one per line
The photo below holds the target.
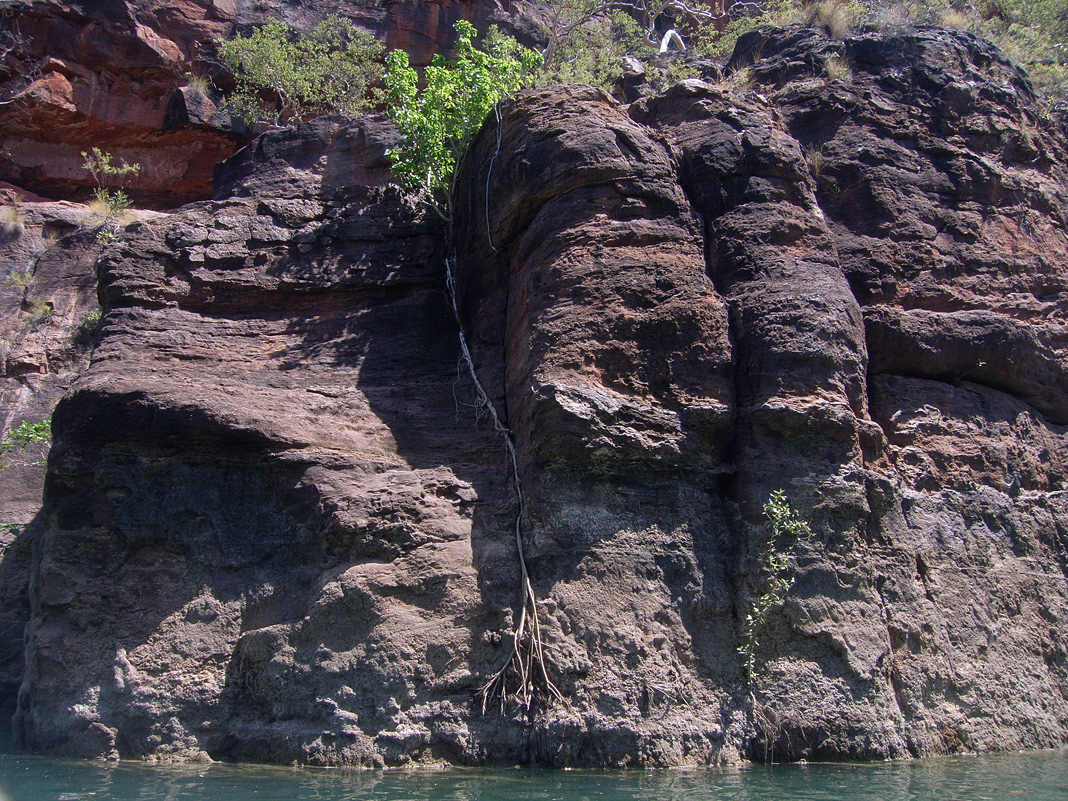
18,278
587,41
437,123
108,202
721,43
24,436
104,170
1034,33
663,77
283,78
40,311
83,336
785,527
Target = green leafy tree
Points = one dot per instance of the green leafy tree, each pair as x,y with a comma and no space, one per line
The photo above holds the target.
438,123
283,78
590,49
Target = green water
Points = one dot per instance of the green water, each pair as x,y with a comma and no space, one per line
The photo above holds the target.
1030,777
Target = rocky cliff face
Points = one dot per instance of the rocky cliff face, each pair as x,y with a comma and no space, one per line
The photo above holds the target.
114,74
276,528
48,321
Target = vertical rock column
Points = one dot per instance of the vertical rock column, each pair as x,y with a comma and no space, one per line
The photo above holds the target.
617,386
800,365
799,336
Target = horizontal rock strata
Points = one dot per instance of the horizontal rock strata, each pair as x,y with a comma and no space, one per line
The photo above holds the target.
116,74
278,528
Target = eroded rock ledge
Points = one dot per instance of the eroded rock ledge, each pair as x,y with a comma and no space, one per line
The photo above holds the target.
276,530
114,74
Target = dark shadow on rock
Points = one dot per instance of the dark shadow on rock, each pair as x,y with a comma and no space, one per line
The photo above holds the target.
15,566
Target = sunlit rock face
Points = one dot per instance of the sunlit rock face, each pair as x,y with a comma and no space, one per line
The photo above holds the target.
277,528
115,74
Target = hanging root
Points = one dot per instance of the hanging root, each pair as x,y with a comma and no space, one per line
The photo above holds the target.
525,677
767,723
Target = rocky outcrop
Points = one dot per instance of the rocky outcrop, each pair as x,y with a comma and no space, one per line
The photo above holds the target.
276,527
47,293
115,75
48,323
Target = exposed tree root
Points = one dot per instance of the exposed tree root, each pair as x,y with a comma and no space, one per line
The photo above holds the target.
525,676
767,724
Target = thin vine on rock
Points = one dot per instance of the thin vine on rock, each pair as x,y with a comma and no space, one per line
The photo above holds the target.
436,125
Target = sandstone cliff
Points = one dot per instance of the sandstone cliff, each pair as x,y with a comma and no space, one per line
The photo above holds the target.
275,527
115,74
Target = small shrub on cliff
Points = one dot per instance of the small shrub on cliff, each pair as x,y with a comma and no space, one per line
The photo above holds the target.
12,221
815,160
108,202
25,436
83,337
283,78
199,81
105,171
837,68
41,311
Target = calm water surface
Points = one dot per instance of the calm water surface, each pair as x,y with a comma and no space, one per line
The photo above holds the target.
1030,777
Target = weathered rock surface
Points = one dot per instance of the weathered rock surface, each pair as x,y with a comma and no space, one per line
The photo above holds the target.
113,75
47,292
276,529
48,323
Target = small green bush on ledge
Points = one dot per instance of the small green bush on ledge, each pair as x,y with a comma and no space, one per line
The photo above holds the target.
108,202
26,435
283,78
